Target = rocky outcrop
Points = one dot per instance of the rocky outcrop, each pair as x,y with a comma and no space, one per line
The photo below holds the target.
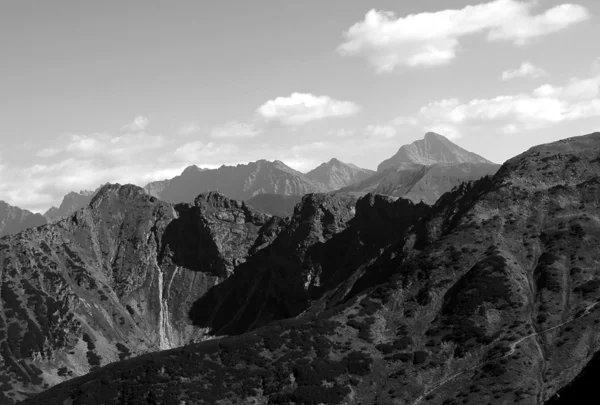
336,174
239,182
489,296
432,149
115,279
14,219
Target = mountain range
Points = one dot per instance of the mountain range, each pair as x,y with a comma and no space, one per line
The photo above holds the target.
490,295
421,171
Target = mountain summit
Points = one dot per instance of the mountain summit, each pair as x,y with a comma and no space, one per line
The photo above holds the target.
433,148
336,174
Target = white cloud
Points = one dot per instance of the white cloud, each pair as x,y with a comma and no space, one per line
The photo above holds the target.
301,108
526,69
380,131
235,130
139,123
432,38
188,128
545,105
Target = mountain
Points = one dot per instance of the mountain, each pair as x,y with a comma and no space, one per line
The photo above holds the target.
239,182
335,174
115,279
432,149
70,203
490,296
14,219
275,204
417,182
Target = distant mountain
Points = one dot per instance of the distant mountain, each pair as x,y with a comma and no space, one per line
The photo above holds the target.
239,182
70,203
15,219
336,174
275,204
417,182
432,149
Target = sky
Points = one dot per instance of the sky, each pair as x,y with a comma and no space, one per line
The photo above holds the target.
135,91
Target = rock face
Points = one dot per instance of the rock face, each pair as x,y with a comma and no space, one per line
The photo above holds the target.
14,219
335,174
492,295
239,182
70,203
275,204
417,182
115,279
432,149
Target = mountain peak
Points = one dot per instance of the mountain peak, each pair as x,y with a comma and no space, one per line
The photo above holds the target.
336,174
432,149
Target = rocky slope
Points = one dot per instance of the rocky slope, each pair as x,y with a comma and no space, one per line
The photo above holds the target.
115,279
70,203
417,182
491,296
14,219
432,149
336,174
239,182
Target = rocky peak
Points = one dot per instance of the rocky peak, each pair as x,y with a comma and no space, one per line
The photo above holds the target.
433,148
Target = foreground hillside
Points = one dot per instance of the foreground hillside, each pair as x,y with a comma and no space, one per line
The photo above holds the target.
490,297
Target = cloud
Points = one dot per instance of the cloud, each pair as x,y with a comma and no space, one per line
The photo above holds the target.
380,131
188,128
301,108
545,105
526,69
432,38
139,123
235,130
449,131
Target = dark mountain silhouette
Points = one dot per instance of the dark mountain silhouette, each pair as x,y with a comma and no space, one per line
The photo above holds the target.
239,182
430,150
490,296
335,174
14,219
70,203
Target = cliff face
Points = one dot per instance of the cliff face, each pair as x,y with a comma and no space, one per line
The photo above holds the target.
116,279
14,220
489,296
